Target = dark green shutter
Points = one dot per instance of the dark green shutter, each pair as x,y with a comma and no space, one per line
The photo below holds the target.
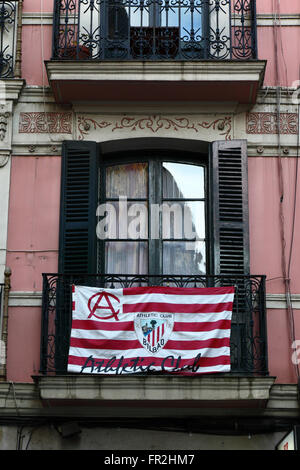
229,194
79,181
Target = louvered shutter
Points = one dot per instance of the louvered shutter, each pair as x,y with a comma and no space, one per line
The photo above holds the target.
77,251
78,208
229,197
229,203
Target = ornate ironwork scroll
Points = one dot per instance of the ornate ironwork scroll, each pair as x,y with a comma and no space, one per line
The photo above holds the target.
8,25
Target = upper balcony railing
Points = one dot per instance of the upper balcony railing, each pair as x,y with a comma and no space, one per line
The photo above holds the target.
185,30
8,36
248,342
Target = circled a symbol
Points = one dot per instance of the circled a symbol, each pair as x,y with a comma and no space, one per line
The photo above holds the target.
98,298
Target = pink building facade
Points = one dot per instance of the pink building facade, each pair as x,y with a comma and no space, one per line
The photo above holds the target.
52,101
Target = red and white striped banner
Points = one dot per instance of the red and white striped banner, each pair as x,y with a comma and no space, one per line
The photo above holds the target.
146,329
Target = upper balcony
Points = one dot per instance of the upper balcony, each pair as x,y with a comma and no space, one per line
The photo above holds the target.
191,50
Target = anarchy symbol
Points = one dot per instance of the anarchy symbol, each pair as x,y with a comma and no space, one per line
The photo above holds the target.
108,306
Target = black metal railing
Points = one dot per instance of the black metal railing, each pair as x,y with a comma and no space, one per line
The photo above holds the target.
154,29
8,28
248,331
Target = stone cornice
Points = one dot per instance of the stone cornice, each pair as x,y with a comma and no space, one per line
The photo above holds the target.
162,71
155,388
130,397
13,88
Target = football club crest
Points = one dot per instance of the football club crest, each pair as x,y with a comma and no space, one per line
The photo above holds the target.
153,329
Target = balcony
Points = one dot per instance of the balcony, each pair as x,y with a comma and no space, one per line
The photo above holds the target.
248,331
203,50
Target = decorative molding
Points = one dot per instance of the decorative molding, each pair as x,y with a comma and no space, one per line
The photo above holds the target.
154,124
85,124
43,123
37,18
278,301
285,19
12,88
25,299
267,123
3,124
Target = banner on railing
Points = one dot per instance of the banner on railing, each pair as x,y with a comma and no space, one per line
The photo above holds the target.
183,331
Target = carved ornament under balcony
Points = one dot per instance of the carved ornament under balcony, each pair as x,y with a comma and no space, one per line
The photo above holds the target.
154,124
267,123
43,123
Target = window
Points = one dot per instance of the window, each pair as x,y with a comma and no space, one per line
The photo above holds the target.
210,181
152,217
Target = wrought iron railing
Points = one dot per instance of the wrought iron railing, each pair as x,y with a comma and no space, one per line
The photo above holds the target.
8,33
154,29
248,330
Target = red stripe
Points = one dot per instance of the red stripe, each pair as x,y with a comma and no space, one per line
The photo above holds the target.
179,290
202,326
73,305
176,308
102,325
156,361
113,344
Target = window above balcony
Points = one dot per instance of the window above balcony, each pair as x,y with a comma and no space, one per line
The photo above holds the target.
162,49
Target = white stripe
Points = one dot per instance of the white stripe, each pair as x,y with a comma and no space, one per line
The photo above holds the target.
178,299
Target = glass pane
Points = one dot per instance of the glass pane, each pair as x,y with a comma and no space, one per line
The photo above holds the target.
183,181
127,180
184,258
126,257
183,220
122,220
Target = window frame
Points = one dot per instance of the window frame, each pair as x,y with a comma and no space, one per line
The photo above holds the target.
155,160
